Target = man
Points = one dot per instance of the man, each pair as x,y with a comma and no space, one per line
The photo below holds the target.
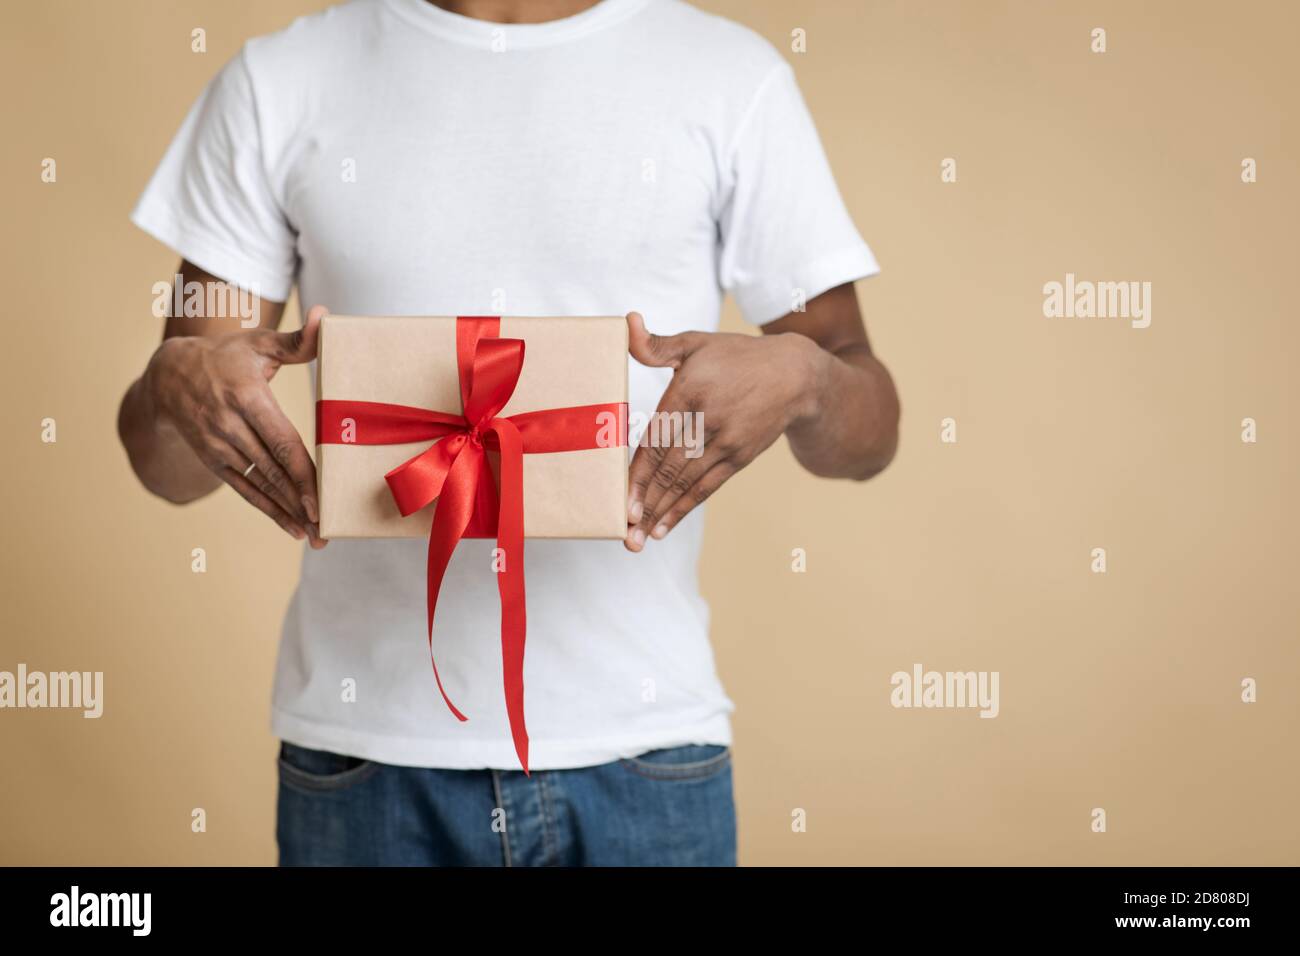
525,157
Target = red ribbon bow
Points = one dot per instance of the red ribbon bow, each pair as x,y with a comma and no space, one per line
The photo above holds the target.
455,471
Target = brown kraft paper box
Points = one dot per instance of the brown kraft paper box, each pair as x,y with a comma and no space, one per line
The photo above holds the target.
568,360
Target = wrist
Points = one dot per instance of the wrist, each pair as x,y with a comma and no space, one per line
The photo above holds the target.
152,385
812,371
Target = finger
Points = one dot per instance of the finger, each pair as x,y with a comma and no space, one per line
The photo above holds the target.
676,484
647,458
269,477
296,347
215,445
229,465
285,444
653,448
661,453
694,496
222,454
249,493
675,475
658,351
248,476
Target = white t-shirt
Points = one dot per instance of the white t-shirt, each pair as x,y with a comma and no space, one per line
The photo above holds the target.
393,158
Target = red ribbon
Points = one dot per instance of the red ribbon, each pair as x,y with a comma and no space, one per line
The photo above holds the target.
455,471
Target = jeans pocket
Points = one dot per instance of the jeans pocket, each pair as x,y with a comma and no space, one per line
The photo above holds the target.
320,770
691,762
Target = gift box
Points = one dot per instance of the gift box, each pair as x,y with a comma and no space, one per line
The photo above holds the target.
571,361
474,426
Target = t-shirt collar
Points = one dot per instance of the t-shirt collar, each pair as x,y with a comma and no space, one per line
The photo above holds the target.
514,36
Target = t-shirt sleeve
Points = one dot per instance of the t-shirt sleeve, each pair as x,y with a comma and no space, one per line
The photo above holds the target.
785,231
211,199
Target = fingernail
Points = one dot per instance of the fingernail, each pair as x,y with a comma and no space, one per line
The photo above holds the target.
634,511
313,530
312,514
660,530
638,538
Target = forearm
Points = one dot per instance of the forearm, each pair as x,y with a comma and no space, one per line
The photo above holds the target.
849,426
160,457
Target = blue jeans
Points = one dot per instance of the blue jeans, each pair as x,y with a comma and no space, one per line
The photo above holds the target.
664,808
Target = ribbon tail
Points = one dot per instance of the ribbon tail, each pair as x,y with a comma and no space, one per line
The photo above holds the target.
510,580
450,517
484,522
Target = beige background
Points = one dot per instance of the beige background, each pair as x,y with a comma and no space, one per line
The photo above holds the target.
1118,691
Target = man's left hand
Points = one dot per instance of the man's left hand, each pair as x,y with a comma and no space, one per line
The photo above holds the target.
746,391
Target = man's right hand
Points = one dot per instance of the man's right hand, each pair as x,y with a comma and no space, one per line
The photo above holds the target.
214,392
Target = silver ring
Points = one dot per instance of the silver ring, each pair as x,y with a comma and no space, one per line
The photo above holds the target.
248,470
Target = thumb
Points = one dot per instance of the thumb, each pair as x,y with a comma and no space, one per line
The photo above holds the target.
298,346
656,351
